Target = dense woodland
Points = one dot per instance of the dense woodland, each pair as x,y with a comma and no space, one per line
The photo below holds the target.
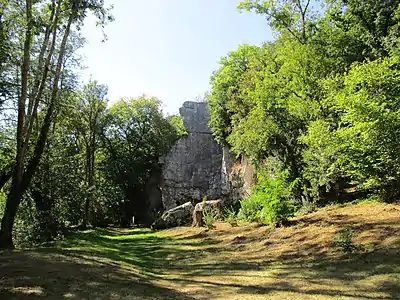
68,158
317,110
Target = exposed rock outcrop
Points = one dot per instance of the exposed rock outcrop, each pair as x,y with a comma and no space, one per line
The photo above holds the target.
192,168
195,117
237,176
197,167
177,216
198,212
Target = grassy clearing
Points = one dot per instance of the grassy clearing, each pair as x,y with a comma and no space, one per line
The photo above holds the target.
246,262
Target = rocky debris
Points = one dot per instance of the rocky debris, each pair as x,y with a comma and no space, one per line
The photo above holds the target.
177,216
199,210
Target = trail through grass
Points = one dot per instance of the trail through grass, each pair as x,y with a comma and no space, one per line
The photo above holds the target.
246,262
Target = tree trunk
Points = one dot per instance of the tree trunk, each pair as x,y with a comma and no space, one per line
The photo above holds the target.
198,218
7,222
5,176
85,220
14,197
22,178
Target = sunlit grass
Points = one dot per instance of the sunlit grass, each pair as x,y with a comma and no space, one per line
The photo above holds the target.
247,262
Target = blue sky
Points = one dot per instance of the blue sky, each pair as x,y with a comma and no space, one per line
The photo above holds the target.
167,48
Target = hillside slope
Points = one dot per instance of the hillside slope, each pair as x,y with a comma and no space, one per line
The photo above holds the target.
246,262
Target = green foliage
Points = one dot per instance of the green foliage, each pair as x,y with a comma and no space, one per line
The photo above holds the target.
292,16
270,202
34,227
306,208
343,240
320,157
225,101
370,124
320,101
230,216
177,123
250,209
211,215
135,135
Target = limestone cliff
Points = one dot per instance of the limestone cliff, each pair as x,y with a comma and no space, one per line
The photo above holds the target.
197,166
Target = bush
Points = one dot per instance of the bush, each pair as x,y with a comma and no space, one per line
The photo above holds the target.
33,227
250,208
306,208
210,215
343,240
270,202
229,215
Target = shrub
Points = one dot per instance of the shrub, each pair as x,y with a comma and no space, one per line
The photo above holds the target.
229,215
270,202
210,215
33,227
250,209
343,240
306,208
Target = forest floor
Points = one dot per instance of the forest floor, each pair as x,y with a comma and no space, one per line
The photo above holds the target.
245,262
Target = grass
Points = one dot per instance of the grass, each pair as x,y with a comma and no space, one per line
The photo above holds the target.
245,262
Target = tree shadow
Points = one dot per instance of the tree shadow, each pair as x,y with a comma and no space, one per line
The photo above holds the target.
53,273
103,264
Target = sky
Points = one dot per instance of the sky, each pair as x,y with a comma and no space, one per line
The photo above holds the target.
166,48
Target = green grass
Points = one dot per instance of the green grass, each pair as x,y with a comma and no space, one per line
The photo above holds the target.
94,264
247,262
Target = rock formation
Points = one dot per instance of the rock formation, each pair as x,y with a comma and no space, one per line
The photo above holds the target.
197,167
177,216
237,176
192,168
198,212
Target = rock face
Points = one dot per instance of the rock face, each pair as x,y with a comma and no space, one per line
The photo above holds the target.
197,167
177,216
237,176
198,212
192,168
195,117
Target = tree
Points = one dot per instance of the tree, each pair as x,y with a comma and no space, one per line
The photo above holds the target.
293,16
38,85
90,110
279,104
376,21
368,131
135,136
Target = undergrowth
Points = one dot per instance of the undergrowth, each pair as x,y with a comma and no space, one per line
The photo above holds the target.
271,200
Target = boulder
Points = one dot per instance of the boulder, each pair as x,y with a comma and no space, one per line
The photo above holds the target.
199,210
177,216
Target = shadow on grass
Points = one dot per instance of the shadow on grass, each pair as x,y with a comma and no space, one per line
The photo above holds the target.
85,266
109,264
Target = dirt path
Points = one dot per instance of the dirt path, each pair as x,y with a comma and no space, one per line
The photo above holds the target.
247,262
